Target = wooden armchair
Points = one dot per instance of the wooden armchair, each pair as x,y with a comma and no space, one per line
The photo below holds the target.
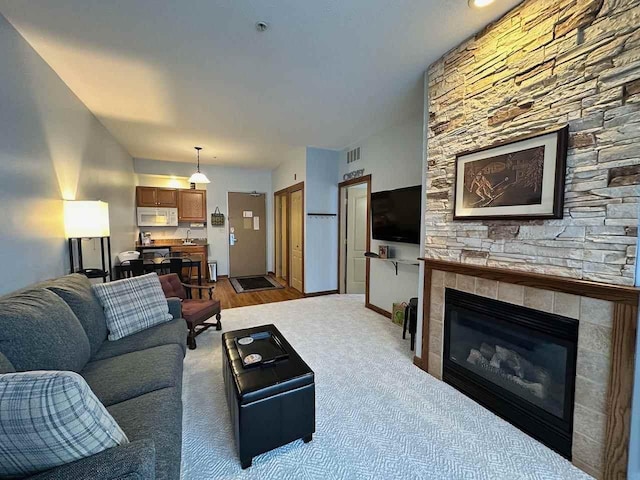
195,311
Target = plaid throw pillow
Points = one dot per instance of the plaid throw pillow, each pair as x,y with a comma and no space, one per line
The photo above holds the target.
49,418
132,305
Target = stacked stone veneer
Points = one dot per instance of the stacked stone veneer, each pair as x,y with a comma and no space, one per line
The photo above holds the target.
545,64
594,351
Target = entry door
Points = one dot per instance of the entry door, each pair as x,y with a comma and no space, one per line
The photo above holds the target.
356,239
248,226
297,240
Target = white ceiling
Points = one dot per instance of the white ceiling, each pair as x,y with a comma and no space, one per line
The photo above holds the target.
165,75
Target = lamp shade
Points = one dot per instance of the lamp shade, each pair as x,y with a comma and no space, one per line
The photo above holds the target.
199,178
86,219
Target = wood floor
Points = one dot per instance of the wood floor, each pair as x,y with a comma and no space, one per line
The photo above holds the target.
230,299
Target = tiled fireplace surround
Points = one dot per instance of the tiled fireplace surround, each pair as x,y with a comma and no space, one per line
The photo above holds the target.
606,347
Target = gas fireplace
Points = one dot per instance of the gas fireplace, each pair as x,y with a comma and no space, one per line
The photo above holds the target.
518,362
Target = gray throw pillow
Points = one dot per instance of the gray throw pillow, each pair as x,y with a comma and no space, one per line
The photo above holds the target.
38,331
5,365
133,304
76,291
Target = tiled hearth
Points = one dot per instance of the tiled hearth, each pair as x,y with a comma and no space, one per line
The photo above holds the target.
594,349
595,359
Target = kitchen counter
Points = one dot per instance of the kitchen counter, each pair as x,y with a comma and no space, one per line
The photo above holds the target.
170,242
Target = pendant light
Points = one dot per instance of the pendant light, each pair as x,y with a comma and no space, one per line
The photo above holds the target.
198,177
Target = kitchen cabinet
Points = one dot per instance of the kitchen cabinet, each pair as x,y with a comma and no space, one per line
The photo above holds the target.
156,197
146,196
167,197
192,205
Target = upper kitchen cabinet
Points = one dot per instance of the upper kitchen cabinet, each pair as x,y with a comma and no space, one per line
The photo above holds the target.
167,197
146,196
192,205
156,197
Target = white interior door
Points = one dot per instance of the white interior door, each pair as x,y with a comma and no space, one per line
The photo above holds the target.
356,238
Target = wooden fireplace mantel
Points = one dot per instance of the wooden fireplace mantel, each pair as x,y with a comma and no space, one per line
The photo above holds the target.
584,288
625,317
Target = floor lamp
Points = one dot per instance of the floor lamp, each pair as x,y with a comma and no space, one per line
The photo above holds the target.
88,219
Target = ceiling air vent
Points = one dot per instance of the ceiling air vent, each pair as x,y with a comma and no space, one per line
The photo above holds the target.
353,155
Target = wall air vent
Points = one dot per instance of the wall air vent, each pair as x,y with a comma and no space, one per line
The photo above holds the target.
353,155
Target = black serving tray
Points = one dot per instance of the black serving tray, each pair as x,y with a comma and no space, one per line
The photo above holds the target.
266,344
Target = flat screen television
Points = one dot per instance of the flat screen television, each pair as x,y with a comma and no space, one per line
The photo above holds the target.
396,215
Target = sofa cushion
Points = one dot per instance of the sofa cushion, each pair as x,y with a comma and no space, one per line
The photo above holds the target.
76,291
156,415
5,365
39,331
132,305
121,378
133,461
173,332
49,419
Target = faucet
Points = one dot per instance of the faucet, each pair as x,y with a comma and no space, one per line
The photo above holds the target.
187,240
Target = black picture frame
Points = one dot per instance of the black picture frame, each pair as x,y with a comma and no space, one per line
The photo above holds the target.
556,198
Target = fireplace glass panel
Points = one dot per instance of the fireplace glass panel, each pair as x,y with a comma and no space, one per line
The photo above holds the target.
516,361
529,365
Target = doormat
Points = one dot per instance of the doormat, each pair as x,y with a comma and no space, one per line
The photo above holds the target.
254,284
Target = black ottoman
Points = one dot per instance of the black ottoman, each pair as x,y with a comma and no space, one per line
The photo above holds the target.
271,404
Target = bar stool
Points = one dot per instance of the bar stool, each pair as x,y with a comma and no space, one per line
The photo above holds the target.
411,321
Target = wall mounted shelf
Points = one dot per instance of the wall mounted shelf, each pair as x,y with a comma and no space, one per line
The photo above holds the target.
394,261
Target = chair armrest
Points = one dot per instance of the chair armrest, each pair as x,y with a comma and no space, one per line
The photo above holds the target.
199,287
175,307
133,461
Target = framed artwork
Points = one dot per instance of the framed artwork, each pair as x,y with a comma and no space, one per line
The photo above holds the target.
521,179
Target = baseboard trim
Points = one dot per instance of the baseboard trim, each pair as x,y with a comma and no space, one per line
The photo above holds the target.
417,361
320,294
378,310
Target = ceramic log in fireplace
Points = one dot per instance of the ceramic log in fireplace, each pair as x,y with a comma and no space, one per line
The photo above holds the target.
518,362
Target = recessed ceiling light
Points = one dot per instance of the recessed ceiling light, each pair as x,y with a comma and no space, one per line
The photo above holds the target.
262,26
480,3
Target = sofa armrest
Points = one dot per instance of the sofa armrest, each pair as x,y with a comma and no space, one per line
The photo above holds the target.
175,307
133,461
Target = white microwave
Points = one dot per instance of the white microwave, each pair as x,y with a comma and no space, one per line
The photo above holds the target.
157,217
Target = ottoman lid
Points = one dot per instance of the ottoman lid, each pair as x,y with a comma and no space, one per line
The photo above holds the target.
257,383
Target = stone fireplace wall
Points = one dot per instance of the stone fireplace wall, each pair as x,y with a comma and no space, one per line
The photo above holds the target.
594,351
546,63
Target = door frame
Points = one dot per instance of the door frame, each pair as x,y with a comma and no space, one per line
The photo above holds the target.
286,194
266,223
366,179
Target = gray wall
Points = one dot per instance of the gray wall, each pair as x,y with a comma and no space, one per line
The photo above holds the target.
51,147
393,157
321,233
292,169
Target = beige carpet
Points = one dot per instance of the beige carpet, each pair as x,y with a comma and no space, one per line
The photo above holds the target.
378,416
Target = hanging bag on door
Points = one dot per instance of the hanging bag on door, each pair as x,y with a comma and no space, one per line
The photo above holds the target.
217,218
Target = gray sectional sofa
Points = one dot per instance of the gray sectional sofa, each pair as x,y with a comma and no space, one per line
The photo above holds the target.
60,325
